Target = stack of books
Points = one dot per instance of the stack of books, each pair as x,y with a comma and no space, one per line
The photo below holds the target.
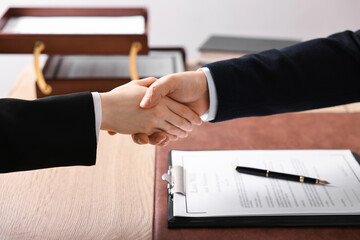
217,48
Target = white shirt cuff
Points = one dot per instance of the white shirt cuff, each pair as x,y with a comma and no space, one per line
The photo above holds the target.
211,113
97,110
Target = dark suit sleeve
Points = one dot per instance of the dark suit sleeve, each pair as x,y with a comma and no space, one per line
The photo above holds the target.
49,132
313,74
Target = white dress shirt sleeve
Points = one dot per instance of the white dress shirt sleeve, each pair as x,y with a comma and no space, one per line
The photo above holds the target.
211,113
97,110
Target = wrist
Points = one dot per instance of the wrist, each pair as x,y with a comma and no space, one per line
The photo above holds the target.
212,101
206,95
203,86
105,103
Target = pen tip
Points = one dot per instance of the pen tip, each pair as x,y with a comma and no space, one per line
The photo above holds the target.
323,182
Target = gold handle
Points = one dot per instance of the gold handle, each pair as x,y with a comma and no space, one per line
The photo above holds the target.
43,86
135,48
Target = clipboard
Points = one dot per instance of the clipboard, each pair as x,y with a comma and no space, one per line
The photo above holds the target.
175,185
284,131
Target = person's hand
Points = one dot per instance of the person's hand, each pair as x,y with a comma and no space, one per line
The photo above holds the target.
121,112
189,88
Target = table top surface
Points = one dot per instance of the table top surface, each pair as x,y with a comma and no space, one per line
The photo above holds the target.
111,200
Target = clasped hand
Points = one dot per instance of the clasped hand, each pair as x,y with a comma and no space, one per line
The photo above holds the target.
162,118
188,88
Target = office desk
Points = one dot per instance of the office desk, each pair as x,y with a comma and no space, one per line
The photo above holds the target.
112,200
284,131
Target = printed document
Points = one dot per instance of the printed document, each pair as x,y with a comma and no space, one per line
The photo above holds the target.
214,188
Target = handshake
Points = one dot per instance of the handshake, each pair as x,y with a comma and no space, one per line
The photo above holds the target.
156,111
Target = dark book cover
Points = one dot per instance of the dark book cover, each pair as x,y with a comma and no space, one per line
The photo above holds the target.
243,44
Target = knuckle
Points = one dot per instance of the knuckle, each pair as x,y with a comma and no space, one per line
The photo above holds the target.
171,129
154,89
176,131
135,138
183,110
139,138
184,124
152,78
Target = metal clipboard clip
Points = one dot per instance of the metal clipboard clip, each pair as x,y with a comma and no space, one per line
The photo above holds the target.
175,180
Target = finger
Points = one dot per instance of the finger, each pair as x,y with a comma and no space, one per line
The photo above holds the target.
158,138
179,122
146,82
157,90
171,129
165,142
150,99
171,137
185,113
140,138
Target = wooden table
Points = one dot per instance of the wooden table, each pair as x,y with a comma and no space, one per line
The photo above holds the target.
112,200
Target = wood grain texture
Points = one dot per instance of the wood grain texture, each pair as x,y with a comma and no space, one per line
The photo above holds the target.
111,200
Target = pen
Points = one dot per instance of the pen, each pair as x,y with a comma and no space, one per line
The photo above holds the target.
285,176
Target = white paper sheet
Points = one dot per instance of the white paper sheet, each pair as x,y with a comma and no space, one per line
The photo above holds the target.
214,188
155,64
76,25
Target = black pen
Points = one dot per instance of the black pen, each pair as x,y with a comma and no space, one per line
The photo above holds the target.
285,176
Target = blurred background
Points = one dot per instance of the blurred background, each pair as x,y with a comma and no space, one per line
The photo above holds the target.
188,23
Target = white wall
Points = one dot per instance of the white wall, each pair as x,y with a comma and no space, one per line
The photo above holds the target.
189,22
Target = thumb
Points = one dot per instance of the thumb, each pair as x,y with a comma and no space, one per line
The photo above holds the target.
161,88
151,98
146,82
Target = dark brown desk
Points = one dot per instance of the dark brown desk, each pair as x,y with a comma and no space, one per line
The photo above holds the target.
287,131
